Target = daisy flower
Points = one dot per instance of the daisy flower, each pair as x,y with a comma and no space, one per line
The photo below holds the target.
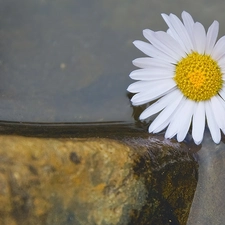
184,74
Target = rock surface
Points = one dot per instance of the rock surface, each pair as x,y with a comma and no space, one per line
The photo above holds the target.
64,181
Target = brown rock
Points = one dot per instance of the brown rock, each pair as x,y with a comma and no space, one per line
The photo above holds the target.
94,181
170,174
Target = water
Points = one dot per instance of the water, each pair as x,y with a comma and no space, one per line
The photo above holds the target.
208,204
69,60
61,61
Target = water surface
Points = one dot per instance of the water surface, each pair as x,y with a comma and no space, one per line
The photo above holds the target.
69,60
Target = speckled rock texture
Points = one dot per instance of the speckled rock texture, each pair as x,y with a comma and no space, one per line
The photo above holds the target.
94,181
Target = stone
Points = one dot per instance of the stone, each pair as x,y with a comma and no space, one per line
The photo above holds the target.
170,175
94,181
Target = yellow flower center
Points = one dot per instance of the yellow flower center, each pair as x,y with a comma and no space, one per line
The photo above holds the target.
199,77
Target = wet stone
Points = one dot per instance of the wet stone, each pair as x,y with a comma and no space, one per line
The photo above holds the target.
99,181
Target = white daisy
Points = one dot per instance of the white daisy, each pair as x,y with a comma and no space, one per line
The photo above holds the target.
185,73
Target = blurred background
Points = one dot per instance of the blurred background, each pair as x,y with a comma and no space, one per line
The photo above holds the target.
69,60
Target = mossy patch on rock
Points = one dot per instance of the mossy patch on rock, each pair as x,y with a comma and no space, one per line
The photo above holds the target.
170,175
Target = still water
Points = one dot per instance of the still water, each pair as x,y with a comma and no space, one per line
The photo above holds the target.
69,60
208,205
63,61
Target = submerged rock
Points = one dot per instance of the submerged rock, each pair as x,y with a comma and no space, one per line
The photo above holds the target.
46,181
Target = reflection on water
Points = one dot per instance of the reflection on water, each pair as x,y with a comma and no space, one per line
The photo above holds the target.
116,129
208,205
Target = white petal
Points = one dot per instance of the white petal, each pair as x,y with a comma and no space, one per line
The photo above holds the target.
222,93
174,124
178,32
159,124
152,51
144,47
221,62
159,105
188,23
221,100
213,127
218,111
147,62
181,120
218,50
200,37
211,37
165,43
170,33
142,86
198,124
171,43
182,32
163,119
151,74
154,93
173,33
185,117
